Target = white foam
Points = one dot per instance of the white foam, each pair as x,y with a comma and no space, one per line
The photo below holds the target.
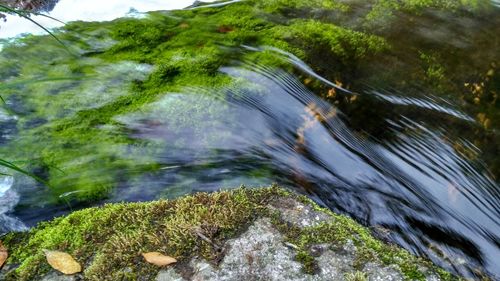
8,200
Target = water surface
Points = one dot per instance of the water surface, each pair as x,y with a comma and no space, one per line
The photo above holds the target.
406,143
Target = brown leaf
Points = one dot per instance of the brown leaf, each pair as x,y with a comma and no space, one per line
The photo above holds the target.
158,259
3,254
62,262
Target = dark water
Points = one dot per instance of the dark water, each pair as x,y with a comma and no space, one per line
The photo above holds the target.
402,160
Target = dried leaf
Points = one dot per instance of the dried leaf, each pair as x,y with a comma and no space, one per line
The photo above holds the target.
331,93
3,254
158,259
62,262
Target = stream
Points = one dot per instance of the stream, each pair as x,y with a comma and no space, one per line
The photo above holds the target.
415,160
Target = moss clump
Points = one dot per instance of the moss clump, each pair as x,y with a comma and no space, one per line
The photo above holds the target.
108,240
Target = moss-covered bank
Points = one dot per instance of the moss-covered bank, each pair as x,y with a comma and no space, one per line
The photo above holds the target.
108,240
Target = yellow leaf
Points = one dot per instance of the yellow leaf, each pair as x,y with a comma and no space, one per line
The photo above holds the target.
487,123
481,117
3,254
158,259
62,262
331,93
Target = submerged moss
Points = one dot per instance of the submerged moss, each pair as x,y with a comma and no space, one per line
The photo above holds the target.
129,63
108,240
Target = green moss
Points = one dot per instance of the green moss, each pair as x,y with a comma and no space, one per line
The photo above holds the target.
385,9
345,44
109,239
356,276
284,6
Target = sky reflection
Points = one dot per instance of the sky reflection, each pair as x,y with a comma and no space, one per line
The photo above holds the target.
89,10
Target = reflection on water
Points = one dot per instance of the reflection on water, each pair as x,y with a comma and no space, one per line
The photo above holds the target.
413,184
88,10
404,161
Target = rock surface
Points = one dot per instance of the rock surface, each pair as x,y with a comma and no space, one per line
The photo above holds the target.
261,253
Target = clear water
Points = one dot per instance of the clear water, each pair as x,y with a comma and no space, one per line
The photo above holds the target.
417,167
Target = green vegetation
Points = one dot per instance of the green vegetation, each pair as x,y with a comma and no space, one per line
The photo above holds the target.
109,240
72,114
137,62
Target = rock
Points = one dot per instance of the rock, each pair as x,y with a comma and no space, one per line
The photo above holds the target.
169,275
258,254
295,212
377,272
304,240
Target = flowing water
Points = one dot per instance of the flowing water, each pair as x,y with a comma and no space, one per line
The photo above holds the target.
407,157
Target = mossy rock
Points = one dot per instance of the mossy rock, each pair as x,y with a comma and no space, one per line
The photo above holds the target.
108,240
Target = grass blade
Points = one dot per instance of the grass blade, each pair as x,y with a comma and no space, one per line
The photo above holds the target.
14,167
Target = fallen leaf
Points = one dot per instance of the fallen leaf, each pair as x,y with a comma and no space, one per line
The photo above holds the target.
487,123
331,93
62,262
158,259
3,254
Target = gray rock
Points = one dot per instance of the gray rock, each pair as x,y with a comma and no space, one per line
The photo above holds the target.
334,266
169,275
377,272
261,253
258,254
297,213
